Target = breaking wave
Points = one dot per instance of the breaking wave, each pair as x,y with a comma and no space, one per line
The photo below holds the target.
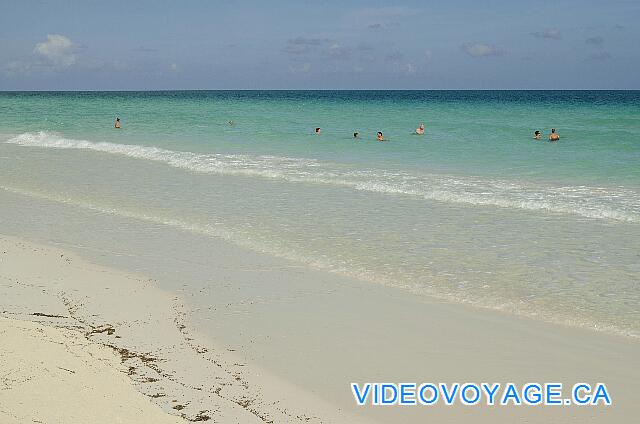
617,204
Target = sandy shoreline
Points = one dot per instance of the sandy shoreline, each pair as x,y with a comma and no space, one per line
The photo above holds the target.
143,346
53,375
288,346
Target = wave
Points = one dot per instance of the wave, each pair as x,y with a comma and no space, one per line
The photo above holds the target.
334,265
617,204
229,234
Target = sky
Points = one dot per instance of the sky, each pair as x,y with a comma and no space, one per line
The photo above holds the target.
321,44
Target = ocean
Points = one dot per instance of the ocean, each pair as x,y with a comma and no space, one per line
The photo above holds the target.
475,211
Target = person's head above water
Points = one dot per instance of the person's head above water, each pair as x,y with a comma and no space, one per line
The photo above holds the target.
318,130
118,119
553,130
356,134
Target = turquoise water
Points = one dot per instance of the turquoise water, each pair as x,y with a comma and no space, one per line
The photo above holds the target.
475,211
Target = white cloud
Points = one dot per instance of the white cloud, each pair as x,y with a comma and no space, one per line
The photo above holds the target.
481,50
16,68
549,34
336,51
58,49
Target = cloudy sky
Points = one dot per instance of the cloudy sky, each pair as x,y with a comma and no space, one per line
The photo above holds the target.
111,45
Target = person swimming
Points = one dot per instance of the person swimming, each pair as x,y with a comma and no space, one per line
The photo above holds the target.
318,130
537,135
420,129
117,125
380,136
356,134
554,135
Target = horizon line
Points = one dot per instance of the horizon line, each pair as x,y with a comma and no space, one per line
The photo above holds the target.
308,89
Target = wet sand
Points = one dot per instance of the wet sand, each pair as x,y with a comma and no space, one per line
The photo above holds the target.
282,345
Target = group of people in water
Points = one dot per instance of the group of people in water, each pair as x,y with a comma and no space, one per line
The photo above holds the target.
554,136
419,131
379,135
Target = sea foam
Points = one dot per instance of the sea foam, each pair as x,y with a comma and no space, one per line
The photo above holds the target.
616,204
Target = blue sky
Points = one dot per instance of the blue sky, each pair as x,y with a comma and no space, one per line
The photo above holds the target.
495,44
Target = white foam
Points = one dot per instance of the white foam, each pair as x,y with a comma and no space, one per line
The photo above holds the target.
334,265
617,204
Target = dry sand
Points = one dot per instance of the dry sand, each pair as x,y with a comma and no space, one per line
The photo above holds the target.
106,346
54,375
290,341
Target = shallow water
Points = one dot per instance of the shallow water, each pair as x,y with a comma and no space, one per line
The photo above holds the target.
475,211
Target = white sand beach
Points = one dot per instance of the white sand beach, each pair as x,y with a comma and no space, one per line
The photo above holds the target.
319,212
51,374
86,343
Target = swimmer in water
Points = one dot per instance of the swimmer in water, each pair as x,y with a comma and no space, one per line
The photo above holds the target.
420,129
232,123
318,130
117,123
356,134
554,135
380,136
537,135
